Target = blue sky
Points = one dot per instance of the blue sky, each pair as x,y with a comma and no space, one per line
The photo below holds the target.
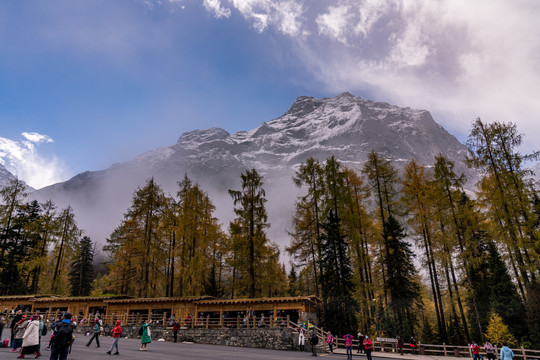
84,84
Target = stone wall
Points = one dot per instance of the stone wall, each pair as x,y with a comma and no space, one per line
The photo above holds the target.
266,338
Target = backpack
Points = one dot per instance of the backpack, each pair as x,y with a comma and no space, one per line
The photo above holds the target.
44,330
64,336
140,331
314,339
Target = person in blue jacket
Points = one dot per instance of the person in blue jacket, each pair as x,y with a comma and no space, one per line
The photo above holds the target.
506,352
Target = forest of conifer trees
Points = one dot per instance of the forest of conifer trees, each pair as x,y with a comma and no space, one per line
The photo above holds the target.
409,253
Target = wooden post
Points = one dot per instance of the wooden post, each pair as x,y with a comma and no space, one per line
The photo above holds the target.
523,353
444,349
470,350
289,321
221,316
207,320
496,352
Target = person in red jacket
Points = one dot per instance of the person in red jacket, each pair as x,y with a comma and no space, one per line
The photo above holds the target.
368,346
476,351
116,333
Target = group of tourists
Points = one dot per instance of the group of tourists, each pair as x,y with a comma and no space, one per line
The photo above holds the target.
307,331
506,352
365,345
26,333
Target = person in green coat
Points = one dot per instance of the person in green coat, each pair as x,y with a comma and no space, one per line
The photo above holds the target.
146,336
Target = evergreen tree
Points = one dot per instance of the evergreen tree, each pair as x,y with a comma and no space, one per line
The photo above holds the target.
505,300
64,249
339,306
248,231
293,283
81,274
11,201
305,238
402,279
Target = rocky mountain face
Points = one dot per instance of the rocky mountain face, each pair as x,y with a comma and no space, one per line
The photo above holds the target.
346,126
6,176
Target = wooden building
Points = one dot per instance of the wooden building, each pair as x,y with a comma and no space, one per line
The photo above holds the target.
192,311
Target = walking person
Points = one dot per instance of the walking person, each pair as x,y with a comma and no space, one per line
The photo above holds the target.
146,336
302,339
361,338
348,346
42,331
175,327
314,340
30,340
368,347
412,344
506,352
490,350
330,340
96,334
62,339
116,333
20,328
14,324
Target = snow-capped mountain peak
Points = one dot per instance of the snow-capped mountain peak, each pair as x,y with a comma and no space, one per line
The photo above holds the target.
346,126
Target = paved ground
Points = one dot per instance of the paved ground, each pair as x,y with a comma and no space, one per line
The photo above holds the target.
157,350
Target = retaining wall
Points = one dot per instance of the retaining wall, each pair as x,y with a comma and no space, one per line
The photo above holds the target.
265,338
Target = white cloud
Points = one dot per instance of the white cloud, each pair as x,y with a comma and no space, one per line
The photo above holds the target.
335,23
37,138
457,58
22,159
215,7
283,15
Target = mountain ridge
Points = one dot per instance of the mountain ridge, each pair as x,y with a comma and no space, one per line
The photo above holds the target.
346,126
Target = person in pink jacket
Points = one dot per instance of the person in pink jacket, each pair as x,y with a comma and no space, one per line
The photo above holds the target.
330,340
348,345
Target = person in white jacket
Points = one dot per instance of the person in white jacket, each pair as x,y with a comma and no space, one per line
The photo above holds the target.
30,344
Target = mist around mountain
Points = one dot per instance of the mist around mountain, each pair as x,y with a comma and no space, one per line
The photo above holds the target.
6,176
346,126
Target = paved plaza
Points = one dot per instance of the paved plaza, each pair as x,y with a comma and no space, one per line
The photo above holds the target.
159,350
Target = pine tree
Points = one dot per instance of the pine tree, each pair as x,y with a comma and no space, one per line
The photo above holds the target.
505,300
402,279
11,200
248,231
81,274
339,306
293,283
305,238
66,240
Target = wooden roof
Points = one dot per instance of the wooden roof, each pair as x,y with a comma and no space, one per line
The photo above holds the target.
17,297
77,299
155,300
312,299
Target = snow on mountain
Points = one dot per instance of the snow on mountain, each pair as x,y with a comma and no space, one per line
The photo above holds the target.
347,127
6,176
